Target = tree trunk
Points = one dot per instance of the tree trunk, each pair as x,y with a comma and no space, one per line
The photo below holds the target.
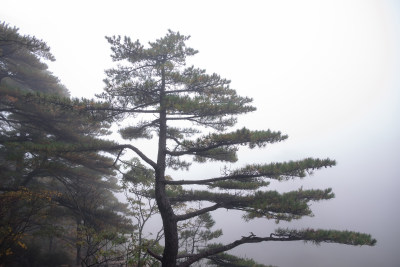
170,227
167,214
78,242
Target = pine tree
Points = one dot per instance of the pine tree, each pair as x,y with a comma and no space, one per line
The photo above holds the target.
177,104
21,73
40,168
21,65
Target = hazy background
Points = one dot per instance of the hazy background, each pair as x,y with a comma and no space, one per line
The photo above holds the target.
323,72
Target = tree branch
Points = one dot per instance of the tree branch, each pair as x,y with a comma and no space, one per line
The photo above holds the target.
154,255
207,181
96,147
316,236
220,249
197,212
278,171
137,151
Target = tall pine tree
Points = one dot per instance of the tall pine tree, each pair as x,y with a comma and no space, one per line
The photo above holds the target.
176,104
39,167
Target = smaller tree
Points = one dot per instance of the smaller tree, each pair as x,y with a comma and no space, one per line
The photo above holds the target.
101,246
196,233
138,182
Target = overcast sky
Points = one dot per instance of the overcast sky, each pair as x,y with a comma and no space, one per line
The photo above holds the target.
324,72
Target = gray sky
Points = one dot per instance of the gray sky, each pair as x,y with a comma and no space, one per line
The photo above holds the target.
324,72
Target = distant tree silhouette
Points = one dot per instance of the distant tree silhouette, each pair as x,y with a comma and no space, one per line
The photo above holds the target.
43,181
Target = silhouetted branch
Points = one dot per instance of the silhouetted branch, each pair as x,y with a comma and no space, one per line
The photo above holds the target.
197,212
154,255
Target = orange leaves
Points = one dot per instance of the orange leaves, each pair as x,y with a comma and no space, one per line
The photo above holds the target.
79,107
8,252
10,99
22,245
17,210
24,195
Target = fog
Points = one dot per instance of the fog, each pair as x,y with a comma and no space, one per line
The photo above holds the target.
325,73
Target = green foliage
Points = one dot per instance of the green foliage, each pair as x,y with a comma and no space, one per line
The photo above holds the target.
51,142
135,132
196,233
138,175
267,204
52,177
138,182
21,65
101,246
227,260
10,38
327,236
284,170
240,184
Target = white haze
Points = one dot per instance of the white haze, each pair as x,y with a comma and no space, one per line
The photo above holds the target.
323,72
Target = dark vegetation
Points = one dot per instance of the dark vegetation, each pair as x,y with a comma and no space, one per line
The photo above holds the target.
59,173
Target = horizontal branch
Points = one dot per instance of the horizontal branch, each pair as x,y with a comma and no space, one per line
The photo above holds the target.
87,148
203,181
261,204
239,137
220,249
308,235
121,110
278,171
197,212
